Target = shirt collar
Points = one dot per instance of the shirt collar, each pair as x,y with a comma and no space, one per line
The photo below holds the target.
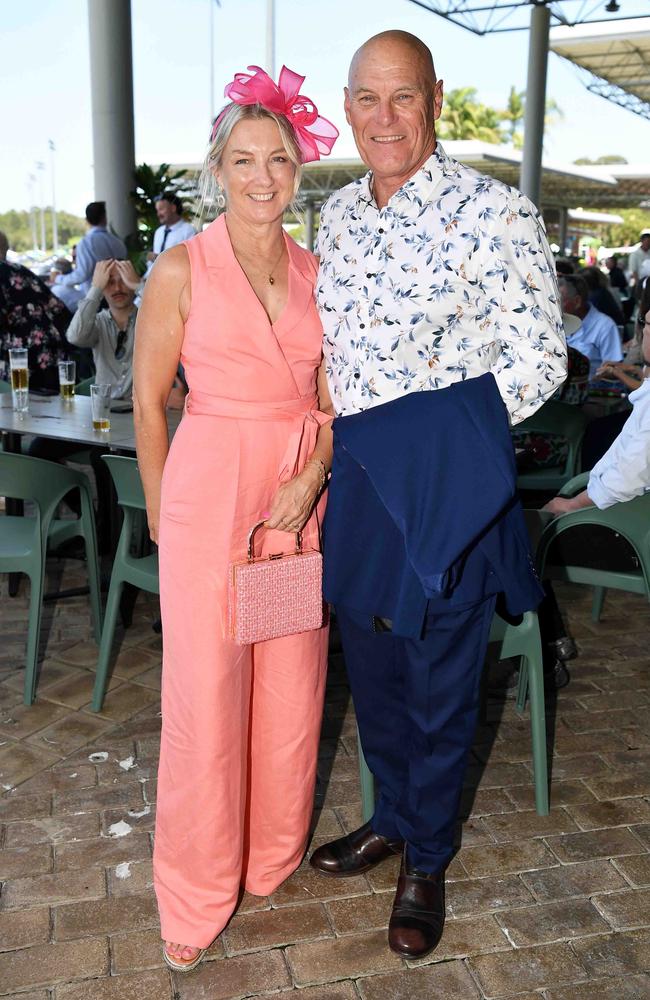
418,188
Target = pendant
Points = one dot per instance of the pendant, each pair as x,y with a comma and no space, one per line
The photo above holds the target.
271,279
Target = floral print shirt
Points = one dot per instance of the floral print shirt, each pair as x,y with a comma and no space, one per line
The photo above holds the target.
453,278
32,317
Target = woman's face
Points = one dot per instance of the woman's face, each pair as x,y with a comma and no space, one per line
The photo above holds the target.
256,173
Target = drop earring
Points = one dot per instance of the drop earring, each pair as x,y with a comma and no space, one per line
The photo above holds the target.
220,199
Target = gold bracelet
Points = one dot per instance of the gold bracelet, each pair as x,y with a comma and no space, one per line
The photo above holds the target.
322,471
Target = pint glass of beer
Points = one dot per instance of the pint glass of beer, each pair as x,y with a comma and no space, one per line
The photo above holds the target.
100,401
67,371
19,379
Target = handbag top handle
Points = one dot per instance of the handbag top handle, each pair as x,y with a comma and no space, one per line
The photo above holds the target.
260,524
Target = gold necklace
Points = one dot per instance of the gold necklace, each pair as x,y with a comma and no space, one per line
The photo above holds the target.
270,273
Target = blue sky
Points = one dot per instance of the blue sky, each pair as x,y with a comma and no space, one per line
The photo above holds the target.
44,73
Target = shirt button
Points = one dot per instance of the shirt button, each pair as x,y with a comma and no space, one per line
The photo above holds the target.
380,230
368,275
362,326
357,374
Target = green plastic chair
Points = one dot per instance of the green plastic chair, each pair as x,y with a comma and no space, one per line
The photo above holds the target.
24,540
4,386
521,640
140,571
631,520
83,388
559,420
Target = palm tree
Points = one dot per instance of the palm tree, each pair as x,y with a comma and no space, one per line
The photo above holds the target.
513,116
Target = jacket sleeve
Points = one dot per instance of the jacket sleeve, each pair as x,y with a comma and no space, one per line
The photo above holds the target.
84,329
519,281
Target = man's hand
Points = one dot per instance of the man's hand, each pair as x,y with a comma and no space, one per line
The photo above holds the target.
128,274
102,274
564,505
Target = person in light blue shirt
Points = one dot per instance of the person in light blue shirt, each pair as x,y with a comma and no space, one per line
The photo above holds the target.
624,470
598,337
97,244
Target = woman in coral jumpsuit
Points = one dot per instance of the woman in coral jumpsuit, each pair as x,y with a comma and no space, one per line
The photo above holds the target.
240,723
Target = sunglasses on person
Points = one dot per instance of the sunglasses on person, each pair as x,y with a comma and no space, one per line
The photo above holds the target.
120,344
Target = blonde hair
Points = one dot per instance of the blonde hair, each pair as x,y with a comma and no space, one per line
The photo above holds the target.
233,114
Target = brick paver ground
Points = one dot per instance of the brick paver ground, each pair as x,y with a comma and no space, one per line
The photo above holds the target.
555,907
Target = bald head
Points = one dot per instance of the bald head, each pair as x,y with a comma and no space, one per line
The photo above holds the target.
388,44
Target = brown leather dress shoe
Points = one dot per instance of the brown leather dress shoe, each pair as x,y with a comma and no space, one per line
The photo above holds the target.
418,916
352,855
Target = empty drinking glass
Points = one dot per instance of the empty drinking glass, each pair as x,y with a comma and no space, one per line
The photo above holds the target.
67,372
19,378
100,401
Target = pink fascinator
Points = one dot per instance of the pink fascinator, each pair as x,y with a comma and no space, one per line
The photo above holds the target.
315,135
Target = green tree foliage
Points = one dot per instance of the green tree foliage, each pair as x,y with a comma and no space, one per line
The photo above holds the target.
585,161
17,227
465,117
627,233
148,184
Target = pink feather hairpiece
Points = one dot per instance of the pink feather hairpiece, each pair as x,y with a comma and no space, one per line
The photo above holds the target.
315,135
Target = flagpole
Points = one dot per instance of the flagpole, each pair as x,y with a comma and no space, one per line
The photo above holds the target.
270,38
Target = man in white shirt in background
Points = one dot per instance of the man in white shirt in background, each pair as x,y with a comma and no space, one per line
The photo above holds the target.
97,244
624,470
639,260
598,337
173,228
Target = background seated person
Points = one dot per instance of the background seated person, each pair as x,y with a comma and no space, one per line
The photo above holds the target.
109,332
617,277
600,295
598,337
68,294
31,317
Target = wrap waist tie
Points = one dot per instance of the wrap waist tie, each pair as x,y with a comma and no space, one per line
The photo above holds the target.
302,416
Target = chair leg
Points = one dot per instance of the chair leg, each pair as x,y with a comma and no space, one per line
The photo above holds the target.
92,562
597,606
522,686
538,728
106,644
37,588
367,782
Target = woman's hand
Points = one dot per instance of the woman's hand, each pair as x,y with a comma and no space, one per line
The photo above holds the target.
292,505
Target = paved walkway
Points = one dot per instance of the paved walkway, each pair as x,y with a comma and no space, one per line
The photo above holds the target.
555,907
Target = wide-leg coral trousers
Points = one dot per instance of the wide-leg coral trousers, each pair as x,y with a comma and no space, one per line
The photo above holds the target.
240,724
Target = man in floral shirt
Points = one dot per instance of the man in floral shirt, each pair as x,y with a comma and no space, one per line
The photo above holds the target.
32,317
432,277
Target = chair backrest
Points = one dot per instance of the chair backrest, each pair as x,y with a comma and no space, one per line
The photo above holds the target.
4,386
26,478
83,388
126,476
631,520
560,420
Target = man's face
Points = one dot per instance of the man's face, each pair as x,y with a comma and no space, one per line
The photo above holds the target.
116,292
166,212
392,104
610,263
570,301
645,243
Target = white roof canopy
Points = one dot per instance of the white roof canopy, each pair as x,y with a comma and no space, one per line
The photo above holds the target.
615,55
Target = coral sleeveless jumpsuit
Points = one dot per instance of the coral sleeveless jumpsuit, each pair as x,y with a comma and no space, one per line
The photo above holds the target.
241,724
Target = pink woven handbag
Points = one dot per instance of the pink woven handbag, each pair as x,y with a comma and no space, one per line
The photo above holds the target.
271,596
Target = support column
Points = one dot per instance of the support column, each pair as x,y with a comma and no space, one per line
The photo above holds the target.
564,222
309,225
530,178
111,83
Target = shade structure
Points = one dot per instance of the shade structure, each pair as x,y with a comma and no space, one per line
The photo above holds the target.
614,57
